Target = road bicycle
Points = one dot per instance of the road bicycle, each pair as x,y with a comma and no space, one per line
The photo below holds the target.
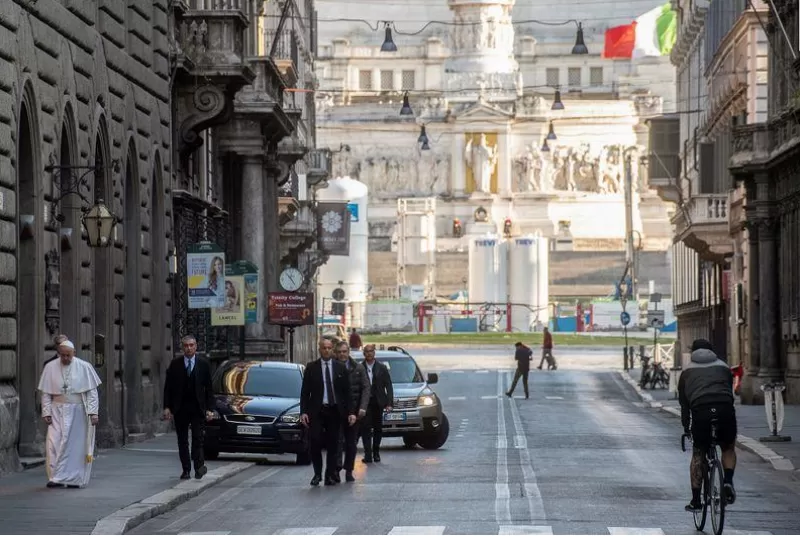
712,493
653,373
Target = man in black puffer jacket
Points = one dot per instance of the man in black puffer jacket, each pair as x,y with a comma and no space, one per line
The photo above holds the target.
360,389
705,391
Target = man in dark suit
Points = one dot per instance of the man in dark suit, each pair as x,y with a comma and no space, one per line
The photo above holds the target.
189,400
523,356
359,387
325,401
380,400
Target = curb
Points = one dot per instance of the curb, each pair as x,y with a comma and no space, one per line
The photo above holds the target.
137,513
778,462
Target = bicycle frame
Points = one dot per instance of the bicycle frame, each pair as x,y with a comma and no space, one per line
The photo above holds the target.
712,477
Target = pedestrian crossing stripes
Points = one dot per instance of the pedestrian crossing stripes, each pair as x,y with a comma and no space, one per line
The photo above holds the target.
438,530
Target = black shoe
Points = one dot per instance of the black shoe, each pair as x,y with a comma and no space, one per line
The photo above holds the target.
199,473
54,485
508,394
348,476
336,477
72,486
694,506
186,475
367,459
730,493
329,481
316,480
377,457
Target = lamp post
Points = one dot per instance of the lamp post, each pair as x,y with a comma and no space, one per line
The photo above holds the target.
99,223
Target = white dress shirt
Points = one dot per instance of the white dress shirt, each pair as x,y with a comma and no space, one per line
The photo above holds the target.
369,370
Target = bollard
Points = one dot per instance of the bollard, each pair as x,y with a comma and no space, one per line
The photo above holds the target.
625,358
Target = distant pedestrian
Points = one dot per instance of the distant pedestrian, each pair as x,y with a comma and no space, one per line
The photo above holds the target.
355,340
348,435
547,351
380,401
189,401
523,356
70,405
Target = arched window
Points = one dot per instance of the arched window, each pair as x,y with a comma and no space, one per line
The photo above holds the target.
71,240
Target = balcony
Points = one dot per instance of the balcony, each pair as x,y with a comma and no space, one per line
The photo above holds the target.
664,170
319,166
298,232
702,224
751,149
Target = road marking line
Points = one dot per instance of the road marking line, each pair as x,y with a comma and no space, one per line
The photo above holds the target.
633,530
492,397
535,502
213,504
554,397
732,531
456,398
525,529
311,531
502,501
456,372
481,372
171,451
220,533
424,529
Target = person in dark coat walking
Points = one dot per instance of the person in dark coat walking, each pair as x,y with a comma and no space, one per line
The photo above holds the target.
325,402
189,401
380,400
523,356
359,387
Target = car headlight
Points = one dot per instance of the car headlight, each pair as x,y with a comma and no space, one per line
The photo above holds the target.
427,400
291,418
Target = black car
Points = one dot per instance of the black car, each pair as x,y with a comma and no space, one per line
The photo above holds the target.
258,410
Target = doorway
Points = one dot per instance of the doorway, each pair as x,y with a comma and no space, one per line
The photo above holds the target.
132,229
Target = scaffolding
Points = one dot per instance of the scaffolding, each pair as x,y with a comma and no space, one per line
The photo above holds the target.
416,243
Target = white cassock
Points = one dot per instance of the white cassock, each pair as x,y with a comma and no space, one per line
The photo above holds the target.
69,396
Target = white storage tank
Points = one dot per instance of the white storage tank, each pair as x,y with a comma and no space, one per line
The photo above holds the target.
528,282
348,273
487,275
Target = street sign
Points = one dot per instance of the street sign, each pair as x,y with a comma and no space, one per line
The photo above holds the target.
291,309
655,318
624,318
655,297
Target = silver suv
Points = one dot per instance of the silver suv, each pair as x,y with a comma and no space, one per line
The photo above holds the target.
417,414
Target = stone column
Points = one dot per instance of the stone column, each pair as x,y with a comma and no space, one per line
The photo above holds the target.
769,300
504,164
252,241
753,316
458,179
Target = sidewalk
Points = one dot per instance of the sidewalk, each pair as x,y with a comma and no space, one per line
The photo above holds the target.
752,423
120,478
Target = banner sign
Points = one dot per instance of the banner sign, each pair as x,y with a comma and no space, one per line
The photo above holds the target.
353,208
205,275
239,300
291,309
333,228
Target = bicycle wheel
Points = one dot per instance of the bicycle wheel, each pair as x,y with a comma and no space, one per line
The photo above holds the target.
717,497
700,517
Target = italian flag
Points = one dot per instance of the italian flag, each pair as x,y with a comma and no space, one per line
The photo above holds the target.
651,34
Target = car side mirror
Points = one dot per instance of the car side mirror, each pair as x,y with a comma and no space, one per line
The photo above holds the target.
433,378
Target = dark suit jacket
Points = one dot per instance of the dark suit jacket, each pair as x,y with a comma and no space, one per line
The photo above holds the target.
314,389
523,355
176,382
382,389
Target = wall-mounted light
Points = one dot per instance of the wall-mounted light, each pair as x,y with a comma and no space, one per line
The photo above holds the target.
99,223
26,222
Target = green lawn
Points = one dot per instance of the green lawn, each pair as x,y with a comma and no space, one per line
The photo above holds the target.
531,339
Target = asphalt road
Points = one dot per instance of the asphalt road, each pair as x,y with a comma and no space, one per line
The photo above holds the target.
582,456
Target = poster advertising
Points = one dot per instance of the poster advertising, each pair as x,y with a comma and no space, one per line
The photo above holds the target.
241,291
291,309
205,278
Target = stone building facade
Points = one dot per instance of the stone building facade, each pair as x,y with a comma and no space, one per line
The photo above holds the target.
765,158
192,123
84,88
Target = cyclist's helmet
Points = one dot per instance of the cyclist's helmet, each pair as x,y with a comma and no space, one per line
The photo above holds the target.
701,344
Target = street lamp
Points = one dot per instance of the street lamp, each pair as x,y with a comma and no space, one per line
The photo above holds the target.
99,223
545,148
580,45
406,109
557,103
551,135
388,43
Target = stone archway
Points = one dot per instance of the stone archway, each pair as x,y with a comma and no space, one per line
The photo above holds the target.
132,230
70,240
160,359
29,283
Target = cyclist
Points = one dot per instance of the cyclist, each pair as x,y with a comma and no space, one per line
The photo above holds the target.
705,390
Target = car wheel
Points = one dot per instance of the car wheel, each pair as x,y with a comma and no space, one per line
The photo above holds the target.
210,454
438,438
409,442
303,458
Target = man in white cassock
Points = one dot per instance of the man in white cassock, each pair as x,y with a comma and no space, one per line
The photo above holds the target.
69,407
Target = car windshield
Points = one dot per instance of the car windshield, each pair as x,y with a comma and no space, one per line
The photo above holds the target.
248,380
402,369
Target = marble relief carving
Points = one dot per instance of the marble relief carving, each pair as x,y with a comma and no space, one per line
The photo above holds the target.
575,169
395,173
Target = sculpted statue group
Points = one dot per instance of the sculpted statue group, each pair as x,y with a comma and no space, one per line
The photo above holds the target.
395,172
575,169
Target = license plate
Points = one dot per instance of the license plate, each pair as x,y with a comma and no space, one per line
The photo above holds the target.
394,417
248,430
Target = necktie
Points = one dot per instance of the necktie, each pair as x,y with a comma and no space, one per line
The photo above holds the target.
189,368
329,383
